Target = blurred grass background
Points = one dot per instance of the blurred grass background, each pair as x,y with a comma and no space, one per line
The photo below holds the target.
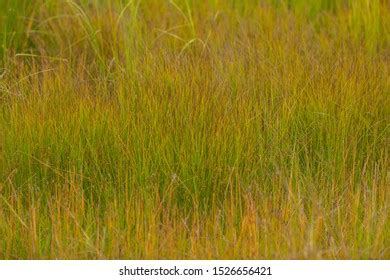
194,129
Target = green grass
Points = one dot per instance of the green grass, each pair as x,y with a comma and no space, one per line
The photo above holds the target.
194,129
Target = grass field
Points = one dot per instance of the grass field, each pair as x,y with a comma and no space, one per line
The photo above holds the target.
190,129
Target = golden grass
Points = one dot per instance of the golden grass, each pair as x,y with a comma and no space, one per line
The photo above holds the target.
195,129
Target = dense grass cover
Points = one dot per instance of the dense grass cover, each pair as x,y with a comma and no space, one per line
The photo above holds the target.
194,129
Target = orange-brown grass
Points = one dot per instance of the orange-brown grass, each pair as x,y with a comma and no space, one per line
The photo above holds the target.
195,129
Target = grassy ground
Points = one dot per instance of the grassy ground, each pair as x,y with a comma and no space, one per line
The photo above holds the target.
194,129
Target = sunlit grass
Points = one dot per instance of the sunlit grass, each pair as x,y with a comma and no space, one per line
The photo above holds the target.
194,129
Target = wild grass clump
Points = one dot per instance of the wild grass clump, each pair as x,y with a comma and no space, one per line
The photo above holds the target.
194,129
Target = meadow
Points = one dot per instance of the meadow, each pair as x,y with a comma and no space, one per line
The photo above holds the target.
194,129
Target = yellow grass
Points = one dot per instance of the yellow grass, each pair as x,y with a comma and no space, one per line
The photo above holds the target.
194,129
